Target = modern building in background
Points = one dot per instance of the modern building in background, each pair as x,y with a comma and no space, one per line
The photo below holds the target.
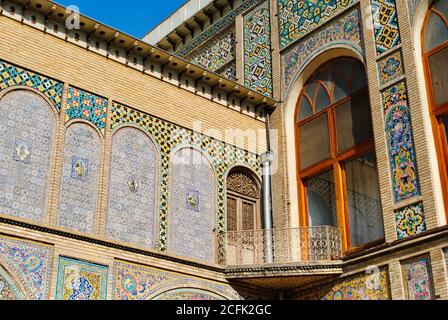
243,149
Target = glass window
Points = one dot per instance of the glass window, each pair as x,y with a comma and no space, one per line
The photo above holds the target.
322,200
439,75
341,88
353,122
329,142
442,7
305,108
445,126
315,133
364,202
322,100
436,32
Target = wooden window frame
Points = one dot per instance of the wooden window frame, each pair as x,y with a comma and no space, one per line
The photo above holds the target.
436,112
239,211
335,163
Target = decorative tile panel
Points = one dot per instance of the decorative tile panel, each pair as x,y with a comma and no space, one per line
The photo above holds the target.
27,125
257,50
418,279
138,282
131,215
410,221
364,286
86,106
80,178
30,264
344,30
391,68
11,75
169,136
385,21
8,289
400,142
216,52
215,28
192,214
80,280
298,17
229,71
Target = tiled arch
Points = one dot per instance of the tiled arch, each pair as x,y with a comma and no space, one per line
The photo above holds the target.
9,290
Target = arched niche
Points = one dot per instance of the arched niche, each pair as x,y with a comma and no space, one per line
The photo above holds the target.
80,178
192,214
132,209
27,130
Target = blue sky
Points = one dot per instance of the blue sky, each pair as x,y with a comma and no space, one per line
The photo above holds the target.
135,17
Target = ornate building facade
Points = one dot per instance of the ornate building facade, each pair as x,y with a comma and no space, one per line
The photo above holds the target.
109,189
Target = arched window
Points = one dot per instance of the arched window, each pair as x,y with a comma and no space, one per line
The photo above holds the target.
435,48
338,178
243,205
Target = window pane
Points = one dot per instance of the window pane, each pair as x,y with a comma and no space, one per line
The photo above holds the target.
341,89
436,32
305,109
445,125
248,215
353,122
359,78
322,100
442,7
232,222
311,90
439,74
364,202
322,200
312,134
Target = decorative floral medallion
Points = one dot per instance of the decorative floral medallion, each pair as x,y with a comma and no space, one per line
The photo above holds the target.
129,283
80,168
193,200
22,151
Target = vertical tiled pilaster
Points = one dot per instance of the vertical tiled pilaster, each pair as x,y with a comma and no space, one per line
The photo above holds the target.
104,176
58,159
378,124
239,48
422,130
392,81
276,56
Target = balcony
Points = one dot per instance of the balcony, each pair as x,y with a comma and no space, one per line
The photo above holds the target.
282,258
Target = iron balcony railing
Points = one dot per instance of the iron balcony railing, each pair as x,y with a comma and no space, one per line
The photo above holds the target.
279,246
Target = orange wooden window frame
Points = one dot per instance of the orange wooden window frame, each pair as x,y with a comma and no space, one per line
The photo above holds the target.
436,112
335,163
